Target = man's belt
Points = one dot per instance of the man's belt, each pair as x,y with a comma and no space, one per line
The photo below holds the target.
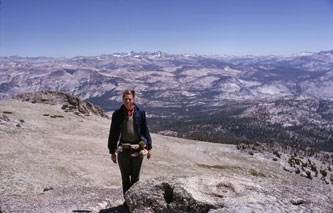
130,146
135,150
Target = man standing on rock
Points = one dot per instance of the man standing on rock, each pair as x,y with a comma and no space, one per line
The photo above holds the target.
129,128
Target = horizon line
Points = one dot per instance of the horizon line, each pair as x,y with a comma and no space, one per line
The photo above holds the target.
164,52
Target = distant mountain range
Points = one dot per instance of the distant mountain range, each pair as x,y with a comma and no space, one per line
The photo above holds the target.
286,98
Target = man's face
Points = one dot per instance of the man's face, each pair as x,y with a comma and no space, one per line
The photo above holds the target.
128,101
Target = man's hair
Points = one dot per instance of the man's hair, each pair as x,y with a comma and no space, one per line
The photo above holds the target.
129,92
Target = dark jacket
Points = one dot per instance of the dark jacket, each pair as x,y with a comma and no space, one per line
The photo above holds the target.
140,121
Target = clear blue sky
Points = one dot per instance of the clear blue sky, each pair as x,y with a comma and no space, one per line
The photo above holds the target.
233,27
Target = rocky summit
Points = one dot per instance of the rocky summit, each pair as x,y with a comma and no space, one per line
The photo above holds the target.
54,160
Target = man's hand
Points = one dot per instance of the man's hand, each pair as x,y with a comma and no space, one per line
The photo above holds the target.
149,154
114,158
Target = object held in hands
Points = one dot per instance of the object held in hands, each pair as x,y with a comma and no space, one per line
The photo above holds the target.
139,150
143,151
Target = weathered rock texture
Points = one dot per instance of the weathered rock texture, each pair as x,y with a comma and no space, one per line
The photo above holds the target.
218,193
74,199
70,102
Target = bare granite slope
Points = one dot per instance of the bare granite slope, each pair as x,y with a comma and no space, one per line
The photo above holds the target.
55,160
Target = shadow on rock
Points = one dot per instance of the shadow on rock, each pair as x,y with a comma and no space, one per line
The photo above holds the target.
118,209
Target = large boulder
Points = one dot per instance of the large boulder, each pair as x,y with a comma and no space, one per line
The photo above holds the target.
223,194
